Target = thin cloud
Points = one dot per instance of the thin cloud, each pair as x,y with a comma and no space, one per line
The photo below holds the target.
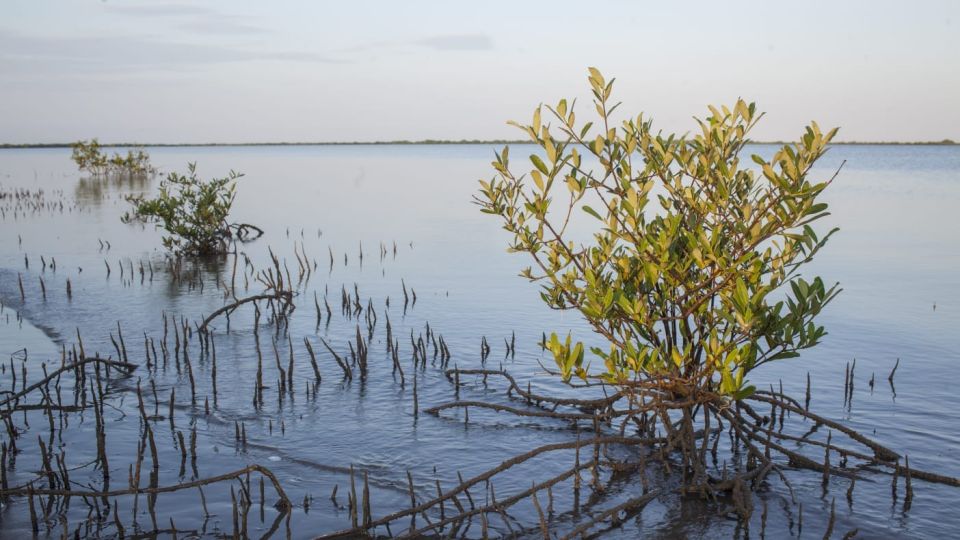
159,10
223,27
115,53
448,42
458,42
200,19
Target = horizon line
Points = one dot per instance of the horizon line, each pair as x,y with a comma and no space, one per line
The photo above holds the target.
423,142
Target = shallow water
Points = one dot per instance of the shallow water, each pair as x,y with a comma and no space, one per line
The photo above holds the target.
895,256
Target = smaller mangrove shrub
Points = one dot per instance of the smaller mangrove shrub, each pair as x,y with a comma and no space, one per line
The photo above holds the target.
193,213
91,159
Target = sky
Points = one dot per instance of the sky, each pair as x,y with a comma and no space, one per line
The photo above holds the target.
282,71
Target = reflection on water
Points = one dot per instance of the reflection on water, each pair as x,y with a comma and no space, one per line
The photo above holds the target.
94,189
895,257
20,339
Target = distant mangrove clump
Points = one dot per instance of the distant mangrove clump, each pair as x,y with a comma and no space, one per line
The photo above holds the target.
91,159
193,213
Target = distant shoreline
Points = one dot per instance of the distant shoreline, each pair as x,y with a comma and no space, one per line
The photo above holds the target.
426,142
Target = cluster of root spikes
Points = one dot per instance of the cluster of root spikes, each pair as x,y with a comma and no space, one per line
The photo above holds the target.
697,443
717,449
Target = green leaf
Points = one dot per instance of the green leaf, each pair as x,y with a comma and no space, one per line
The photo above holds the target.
538,163
744,393
592,212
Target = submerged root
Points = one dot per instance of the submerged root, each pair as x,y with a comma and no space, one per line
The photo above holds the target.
282,503
464,486
79,364
632,506
675,431
285,298
588,404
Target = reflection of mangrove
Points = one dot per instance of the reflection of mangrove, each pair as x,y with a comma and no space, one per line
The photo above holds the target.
632,434
178,274
95,189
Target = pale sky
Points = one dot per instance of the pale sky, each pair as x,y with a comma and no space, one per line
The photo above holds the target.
270,71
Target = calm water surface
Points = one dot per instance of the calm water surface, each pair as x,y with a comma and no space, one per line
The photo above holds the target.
896,257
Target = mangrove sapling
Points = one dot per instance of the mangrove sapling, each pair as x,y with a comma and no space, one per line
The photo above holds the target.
691,276
193,213
89,158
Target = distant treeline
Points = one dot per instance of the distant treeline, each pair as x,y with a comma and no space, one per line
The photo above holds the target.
944,142
327,143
